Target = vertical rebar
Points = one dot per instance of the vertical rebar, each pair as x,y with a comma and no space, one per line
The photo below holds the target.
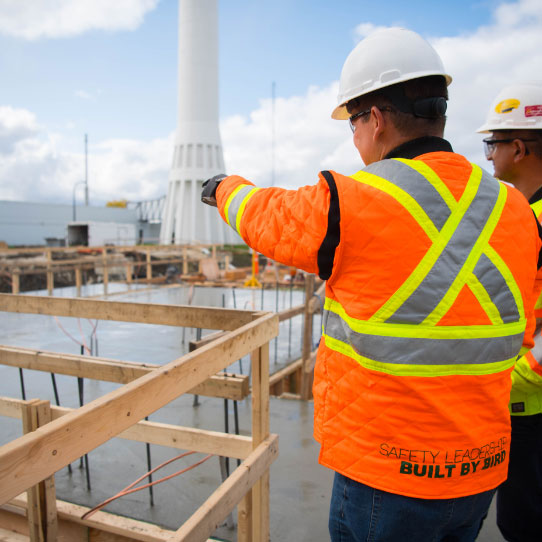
227,430
236,422
21,378
149,468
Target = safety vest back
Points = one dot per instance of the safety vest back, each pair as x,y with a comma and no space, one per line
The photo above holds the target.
424,319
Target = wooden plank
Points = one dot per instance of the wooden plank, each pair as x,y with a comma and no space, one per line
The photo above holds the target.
286,314
172,436
105,522
260,431
146,313
35,456
244,518
306,349
11,408
15,282
285,372
225,385
42,520
211,513
315,303
10,536
32,493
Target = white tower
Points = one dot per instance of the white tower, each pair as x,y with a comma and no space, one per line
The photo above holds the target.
197,154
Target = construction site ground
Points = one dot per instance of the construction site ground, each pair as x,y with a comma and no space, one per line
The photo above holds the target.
299,489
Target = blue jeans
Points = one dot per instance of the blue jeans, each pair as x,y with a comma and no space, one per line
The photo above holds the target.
359,513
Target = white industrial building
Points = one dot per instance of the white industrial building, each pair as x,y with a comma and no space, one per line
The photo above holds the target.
34,224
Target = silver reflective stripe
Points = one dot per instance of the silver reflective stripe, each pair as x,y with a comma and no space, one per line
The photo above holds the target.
235,204
423,351
415,184
438,280
499,292
536,350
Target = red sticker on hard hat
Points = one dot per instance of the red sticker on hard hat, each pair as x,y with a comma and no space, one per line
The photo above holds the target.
533,110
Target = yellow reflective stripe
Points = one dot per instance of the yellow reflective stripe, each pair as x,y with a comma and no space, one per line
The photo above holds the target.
431,256
483,298
242,208
231,197
438,184
498,262
483,240
417,370
537,207
404,198
538,304
424,332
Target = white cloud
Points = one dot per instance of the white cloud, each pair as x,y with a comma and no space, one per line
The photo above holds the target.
509,49
16,125
306,140
481,63
64,18
34,167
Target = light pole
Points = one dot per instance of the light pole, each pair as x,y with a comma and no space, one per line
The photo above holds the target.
73,197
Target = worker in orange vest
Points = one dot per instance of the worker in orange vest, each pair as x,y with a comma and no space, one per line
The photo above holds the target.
430,267
514,145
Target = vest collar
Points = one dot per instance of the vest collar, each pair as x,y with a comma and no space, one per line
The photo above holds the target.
419,146
536,196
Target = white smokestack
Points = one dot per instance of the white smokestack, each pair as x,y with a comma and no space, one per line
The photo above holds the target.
197,153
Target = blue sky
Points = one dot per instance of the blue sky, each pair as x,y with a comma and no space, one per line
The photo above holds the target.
109,69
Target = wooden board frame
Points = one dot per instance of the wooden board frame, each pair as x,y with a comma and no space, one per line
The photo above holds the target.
37,455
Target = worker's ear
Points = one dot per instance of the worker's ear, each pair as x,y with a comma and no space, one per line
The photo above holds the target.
520,150
379,122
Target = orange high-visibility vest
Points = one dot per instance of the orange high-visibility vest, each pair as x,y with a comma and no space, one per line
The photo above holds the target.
430,266
526,393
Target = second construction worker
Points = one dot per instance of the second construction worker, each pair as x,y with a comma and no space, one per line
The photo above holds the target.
514,146
430,265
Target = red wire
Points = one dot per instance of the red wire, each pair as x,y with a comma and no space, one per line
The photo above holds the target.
127,490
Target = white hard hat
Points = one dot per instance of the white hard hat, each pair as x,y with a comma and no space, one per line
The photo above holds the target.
384,58
516,107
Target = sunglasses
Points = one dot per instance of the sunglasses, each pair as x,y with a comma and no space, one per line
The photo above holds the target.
491,143
357,116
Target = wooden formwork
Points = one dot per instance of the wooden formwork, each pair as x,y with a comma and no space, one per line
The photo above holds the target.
57,436
105,258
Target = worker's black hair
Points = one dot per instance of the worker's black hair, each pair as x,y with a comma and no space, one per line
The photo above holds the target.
418,106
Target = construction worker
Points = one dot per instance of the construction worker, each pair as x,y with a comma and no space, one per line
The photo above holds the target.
429,265
514,146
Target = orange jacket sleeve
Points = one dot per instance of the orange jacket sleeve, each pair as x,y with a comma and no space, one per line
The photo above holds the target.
288,226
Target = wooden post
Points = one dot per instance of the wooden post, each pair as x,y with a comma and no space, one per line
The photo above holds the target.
185,261
78,281
213,252
149,265
306,374
15,282
42,516
50,274
260,431
105,270
128,268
